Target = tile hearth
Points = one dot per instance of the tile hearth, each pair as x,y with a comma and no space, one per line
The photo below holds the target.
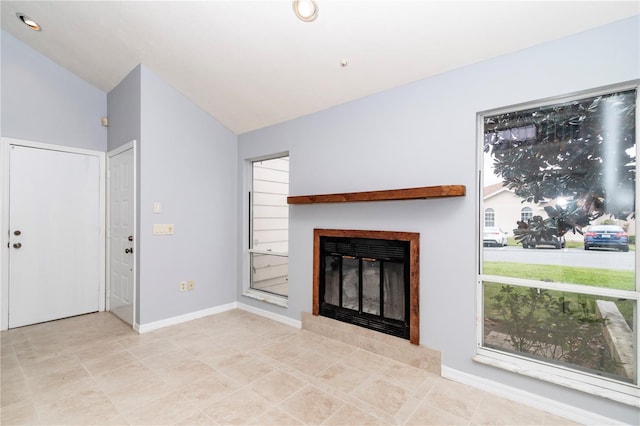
230,368
392,347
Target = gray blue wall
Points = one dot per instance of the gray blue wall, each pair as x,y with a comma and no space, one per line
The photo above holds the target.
44,102
188,163
123,102
424,134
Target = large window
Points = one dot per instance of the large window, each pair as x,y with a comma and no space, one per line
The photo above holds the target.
569,316
269,226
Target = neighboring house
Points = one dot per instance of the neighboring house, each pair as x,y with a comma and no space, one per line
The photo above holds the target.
503,208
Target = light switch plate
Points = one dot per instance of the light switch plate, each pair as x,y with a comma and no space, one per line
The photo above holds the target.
157,207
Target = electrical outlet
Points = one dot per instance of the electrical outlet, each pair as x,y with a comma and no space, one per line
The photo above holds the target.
183,286
190,285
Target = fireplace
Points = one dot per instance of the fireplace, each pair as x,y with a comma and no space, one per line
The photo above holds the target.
369,279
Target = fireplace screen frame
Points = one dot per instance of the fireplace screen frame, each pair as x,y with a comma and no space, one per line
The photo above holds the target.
413,240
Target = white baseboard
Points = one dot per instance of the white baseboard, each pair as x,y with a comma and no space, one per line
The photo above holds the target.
145,328
536,401
270,315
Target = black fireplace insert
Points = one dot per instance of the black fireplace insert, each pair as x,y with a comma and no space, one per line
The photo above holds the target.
366,282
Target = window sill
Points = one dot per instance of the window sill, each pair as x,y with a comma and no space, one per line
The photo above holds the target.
267,297
620,392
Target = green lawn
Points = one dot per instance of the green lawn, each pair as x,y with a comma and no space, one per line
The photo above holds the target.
608,278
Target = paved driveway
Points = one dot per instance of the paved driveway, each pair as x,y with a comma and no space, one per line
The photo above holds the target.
567,257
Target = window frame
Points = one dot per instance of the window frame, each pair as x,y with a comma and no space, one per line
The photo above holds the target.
492,212
247,289
529,213
558,374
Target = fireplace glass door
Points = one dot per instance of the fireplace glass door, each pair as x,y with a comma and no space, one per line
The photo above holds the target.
365,282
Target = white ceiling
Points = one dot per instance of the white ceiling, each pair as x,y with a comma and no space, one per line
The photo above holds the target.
251,64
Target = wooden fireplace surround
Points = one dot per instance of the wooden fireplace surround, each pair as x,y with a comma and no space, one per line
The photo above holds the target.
414,266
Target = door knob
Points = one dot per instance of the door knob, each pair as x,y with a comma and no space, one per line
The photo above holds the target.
17,245
128,250
17,232
130,238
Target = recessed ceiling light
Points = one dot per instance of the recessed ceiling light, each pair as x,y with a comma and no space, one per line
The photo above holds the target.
29,22
305,10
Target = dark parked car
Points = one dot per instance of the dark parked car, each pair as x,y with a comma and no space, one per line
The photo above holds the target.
556,242
606,236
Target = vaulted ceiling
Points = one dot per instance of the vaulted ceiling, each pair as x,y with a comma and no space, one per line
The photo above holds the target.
252,64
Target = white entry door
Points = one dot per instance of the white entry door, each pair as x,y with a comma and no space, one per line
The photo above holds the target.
121,233
54,235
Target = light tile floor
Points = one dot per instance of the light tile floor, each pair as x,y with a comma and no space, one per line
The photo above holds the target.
230,368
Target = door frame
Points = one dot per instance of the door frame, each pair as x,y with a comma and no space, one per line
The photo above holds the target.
5,145
129,145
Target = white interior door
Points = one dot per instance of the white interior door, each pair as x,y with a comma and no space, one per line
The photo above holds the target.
121,234
54,233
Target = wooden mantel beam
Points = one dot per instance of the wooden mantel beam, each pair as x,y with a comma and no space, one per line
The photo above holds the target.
421,193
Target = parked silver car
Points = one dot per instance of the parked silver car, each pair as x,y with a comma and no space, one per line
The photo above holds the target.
494,236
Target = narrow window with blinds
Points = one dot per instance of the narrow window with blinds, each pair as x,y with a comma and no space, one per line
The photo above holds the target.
269,226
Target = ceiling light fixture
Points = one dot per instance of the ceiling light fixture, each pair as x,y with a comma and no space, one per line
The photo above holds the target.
305,10
29,22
